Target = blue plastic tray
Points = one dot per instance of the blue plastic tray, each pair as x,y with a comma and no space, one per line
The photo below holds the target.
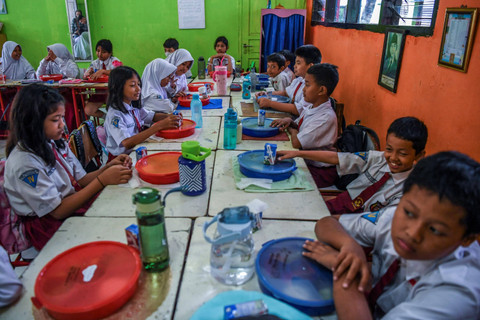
251,128
262,85
284,273
251,165
281,99
260,77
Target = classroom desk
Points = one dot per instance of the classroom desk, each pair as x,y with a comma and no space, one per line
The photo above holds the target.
248,145
116,201
282,205
79,230
198,286
207,136
211,112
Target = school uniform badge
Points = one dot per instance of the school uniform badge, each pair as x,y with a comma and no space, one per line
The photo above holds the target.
371,216
115,122
363,155
30,177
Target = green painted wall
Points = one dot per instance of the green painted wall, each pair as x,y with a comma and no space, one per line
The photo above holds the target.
137,28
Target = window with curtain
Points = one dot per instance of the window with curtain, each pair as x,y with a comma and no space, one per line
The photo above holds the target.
416,16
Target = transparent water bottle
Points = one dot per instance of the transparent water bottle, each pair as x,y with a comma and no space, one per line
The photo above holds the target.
230,129
196,107
151,227
201,68
232,259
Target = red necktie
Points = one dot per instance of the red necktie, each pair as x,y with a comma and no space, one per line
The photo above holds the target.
103,67
136,120
366,194
385,280
74,182
300,122
295,93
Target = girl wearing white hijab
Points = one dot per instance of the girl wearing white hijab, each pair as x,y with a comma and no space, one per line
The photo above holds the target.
58,61
156,77
14,65
183,60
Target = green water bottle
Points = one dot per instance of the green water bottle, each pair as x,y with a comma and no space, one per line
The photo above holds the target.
151,227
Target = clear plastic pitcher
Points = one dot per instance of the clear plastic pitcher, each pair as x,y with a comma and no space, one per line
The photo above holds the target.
220,77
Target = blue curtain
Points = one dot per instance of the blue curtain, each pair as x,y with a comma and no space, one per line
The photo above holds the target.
281,33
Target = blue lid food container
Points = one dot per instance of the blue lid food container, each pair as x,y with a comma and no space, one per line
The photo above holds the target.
285,274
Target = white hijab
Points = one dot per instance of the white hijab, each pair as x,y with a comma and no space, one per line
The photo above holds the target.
15,69
180,56
61,51
153,74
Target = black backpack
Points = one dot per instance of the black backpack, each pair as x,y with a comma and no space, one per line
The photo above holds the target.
355,138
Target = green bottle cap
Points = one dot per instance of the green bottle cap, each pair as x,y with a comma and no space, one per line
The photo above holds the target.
146,195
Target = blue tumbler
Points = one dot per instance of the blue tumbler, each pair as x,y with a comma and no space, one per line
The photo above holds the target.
191,165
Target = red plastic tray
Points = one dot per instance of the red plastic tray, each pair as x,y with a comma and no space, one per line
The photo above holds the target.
102,79
185,101
187,129
159,168
66,293
193,87
54,77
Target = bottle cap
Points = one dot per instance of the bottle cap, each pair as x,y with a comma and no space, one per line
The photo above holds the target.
195,96
146,196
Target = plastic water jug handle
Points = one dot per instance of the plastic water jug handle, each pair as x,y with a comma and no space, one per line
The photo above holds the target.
170,191
205,227
213,76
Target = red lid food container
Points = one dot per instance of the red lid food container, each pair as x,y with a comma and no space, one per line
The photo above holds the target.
102,79
54,77
159,168
193,87
89,281
185,101
186,130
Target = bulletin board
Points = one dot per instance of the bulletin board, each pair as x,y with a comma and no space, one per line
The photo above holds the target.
191,14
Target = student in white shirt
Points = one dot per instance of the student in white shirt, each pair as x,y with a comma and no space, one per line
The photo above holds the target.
14,65
126,117
306,56
221,58
58,61
275,66
289,59
10,286
158,74
316,128
183,60
425,257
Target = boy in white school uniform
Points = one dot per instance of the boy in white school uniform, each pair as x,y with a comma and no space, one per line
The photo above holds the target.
316,128
426,260
306,56
381,173
275,66
289,58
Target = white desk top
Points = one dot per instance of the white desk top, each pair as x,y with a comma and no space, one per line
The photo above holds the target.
211,112
79,230
116,201
207,136
248,145
282,205
198,286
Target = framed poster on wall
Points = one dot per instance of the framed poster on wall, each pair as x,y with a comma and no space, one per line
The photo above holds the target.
391,59
457,39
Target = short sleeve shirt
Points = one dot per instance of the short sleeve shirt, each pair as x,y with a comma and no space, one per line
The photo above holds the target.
34,188
318,130
295,93
98,64
280,82
120,126
371,166
445,288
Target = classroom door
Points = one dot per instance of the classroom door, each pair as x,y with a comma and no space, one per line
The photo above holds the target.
250,27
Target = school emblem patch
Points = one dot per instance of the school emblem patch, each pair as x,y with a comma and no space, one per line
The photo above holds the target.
357,203
371,216
115,122
30,177
363,155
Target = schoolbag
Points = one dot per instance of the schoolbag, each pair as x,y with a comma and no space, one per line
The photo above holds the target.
12,230
86,146
355,138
